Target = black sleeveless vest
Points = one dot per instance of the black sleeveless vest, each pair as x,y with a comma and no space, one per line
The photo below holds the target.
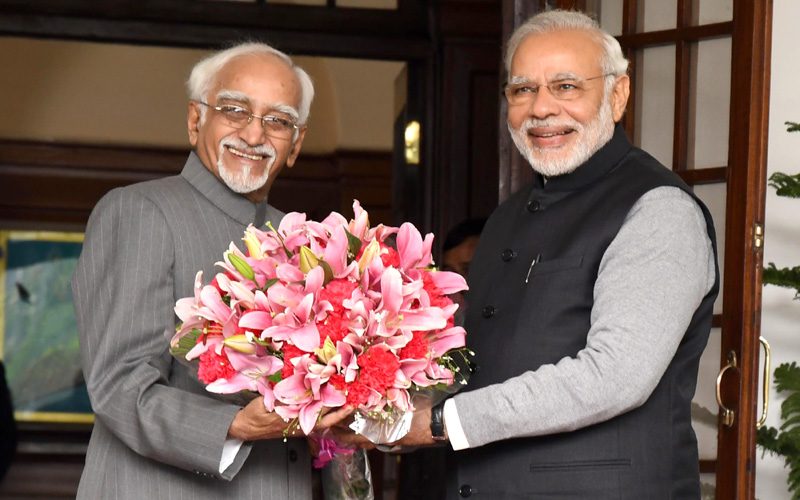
513,326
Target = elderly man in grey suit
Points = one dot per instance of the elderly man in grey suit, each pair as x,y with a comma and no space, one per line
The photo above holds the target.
591,296
158,433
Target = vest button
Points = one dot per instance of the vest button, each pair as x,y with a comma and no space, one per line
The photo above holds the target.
533,206
508,254
488,311
465,491
292,456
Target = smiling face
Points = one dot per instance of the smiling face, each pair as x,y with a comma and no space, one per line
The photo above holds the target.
245,158
556,136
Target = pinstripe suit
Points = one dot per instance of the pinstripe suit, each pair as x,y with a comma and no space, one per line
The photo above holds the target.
158,433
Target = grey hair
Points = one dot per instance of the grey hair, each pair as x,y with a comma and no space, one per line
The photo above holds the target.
202,77
613,61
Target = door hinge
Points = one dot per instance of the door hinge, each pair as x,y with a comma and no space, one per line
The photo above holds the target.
758,236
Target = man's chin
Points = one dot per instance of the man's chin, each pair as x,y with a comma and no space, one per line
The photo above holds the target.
552,165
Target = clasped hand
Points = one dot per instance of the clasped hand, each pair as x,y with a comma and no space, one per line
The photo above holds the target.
418,435
254,422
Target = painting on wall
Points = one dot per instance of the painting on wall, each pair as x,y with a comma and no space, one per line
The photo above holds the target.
38,331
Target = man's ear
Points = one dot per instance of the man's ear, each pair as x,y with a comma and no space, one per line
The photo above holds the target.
301,134
619,96
193,122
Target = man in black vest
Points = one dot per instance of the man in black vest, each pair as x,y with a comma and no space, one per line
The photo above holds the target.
591,296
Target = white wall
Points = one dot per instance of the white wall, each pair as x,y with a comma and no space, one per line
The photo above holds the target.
780,317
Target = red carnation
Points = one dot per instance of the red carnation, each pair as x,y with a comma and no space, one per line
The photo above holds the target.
389,256
214,366
378,368
333,326
289,353
337,291
417,347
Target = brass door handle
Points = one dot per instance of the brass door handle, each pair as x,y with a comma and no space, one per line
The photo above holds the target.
765,387
728,416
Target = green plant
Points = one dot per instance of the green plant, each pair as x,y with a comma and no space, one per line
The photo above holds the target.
786,440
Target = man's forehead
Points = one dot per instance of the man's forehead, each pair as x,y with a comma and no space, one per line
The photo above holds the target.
557,55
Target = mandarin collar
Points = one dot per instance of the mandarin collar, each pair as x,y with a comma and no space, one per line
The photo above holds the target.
235,205
599,164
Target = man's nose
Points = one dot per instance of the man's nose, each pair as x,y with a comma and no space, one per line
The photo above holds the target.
543,104
254,132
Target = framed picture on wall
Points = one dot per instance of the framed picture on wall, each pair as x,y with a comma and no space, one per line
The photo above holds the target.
38,330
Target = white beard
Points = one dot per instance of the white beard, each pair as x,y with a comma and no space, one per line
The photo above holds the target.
553,162
243,181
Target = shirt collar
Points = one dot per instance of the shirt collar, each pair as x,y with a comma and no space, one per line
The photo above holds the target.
234,204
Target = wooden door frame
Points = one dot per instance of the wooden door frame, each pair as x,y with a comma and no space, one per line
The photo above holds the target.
747,167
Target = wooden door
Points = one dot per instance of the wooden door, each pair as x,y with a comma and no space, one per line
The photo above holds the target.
699,103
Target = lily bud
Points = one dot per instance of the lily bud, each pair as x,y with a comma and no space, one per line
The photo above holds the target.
253,245
370,252
240,265
240,343
308,260
327,351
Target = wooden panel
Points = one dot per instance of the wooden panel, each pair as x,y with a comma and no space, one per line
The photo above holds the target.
57,185
369,33
463,175
466,171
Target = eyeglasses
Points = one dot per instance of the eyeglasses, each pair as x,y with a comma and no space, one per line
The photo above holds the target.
240,117
565,89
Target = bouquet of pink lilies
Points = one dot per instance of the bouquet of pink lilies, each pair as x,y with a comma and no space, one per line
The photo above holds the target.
325,314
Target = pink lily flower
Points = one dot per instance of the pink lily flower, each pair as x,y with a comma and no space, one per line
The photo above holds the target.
249,370
414,251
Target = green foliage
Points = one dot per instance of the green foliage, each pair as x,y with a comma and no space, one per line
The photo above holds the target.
787,277
786,441
785,185
185,344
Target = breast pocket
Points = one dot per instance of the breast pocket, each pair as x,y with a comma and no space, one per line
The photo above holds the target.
549,266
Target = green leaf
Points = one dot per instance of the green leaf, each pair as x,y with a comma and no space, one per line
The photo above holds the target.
185,344
275,377
326,268
353,244
787,277
786,441
785,185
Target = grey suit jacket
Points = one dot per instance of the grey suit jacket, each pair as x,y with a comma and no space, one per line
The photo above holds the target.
158,433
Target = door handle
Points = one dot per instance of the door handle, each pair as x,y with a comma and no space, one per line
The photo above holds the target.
765,387
728,416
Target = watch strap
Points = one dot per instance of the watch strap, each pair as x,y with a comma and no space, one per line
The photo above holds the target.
437,422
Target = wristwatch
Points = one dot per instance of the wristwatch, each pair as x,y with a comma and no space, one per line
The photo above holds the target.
437,423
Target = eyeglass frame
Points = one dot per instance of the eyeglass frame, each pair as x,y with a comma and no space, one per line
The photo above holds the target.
250,115
504,91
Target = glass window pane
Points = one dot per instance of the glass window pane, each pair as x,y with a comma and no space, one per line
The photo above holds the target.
714,196
708,486
656,15
709,104
655,101
704,404
609,13
714,11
